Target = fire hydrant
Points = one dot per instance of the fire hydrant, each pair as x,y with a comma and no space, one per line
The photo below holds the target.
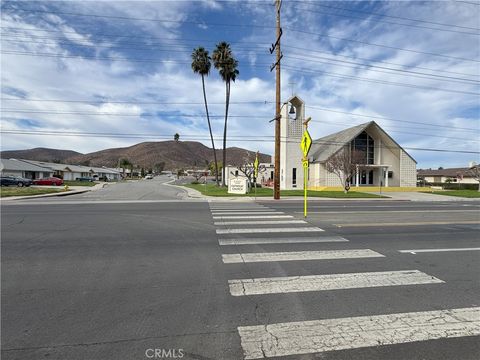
65,187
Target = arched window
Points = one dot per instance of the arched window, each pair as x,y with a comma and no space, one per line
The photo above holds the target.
365,145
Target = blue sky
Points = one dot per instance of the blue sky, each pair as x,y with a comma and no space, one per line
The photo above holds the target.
121,75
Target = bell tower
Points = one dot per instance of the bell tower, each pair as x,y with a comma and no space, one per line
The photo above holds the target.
291,124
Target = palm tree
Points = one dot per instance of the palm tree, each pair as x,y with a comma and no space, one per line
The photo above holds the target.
201,63
124,163
226,65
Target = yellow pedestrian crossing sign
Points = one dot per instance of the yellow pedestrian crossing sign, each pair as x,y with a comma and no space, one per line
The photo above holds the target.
255,165
306,143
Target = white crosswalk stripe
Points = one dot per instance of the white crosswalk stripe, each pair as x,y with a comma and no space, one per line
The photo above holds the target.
245,213
299,255
268,230
259,222
252,217
293,240
316,336
290,284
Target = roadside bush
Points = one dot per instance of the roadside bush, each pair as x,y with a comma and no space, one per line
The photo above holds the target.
455,186
194,182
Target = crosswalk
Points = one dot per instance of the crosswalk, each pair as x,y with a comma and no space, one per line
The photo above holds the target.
251,224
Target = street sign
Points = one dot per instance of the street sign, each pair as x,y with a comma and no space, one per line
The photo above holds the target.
305,163
306,142
255,165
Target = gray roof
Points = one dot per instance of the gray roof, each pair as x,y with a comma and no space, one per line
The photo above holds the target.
19,165
328,145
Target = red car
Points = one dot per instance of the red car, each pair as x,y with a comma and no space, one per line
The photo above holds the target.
48,181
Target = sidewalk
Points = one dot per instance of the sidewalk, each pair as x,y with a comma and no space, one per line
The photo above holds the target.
419,196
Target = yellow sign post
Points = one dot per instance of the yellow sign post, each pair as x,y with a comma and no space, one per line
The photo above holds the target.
305,145
255,173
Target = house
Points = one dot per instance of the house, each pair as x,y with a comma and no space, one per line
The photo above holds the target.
455,175
64,171
13,167
385,162
106,173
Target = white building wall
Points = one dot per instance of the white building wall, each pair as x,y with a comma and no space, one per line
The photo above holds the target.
392,159
408,170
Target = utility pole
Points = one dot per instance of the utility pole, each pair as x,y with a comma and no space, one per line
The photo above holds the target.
276,46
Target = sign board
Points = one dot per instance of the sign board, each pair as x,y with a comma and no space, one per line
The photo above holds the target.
255,165
237,186
306,143
305,163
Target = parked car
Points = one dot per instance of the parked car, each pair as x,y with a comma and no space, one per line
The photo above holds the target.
85,178
48,181
149,176
15,180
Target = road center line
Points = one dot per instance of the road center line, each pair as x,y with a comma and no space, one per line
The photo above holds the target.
299,256
380,224
315,336
414,251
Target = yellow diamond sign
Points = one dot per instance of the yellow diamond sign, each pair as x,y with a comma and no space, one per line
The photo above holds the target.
306,143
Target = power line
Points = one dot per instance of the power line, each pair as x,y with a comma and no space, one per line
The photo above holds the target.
389,22
379,61
249,50
243,25
392,16
390,70
305,50
300,70
390,119
323,142
357,78
240,103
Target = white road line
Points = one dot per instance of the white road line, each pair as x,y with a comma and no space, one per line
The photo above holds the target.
253,217
316,336
268,230
383,211
288,284
249,212
414,251
259,222
299,256
240,210
253,241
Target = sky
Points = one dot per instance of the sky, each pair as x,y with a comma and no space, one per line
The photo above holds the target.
91,75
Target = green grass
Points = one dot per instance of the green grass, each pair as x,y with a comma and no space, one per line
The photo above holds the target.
26,191
212,190
460,193
78,183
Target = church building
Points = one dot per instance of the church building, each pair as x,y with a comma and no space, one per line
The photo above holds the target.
384,162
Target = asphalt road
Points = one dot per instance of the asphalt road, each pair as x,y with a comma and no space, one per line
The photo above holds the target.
93,279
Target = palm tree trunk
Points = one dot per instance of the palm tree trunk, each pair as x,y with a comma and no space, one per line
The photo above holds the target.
227,102
210,129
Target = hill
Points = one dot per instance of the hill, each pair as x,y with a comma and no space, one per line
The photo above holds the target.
40,154
181,154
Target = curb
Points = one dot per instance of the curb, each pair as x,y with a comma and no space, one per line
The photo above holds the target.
60,193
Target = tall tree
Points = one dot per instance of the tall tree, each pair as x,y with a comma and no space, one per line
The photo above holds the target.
176,137
226,64
201,64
